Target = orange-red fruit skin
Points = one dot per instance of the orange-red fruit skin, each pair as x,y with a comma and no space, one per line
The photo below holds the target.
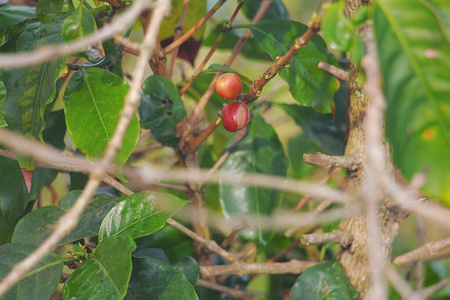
235,116
228,86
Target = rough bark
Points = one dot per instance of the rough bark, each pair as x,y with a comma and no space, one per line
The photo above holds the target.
355,259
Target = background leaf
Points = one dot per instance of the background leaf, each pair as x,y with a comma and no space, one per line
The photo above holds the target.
106,274
259,152
414,61
309,85
250,50
153,279
161,109
324,281
93,100
140,214
190,268
40,282
36,226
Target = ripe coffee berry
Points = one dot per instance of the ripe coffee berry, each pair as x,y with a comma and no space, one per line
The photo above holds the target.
235,116
228,86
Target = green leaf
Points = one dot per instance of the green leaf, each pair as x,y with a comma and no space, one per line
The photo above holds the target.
140,214
276,11
309,85
259,152
340,31
297,146
13,15
93,100
325,130
36,226
442,10
325,281
14,197
229,40
161,109
106,274
52,7
40,282
55,130
190,268
153,279
31,91
414,61
78,24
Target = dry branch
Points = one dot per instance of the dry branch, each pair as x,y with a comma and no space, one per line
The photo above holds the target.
342,238
241,269
327,161
428,250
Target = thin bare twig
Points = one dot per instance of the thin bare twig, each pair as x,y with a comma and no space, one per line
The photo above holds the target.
241,269
428,250
375,166
68,222
336,72
327,161
342,238
176,36
210,244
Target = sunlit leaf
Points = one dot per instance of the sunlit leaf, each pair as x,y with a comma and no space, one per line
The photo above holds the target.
140,214
414,61
93,101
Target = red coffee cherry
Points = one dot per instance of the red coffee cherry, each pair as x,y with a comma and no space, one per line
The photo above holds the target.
235,116
228,86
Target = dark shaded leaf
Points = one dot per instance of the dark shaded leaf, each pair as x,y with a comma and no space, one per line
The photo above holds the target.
229,40
36,226
414,61
152,279
52,7
13,15
324,281
161,109
276,11
106,274
259,152
308,85
93,101
325,131
190,268
40,282
140,214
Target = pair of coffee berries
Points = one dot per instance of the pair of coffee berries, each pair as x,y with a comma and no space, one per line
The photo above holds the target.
235,115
